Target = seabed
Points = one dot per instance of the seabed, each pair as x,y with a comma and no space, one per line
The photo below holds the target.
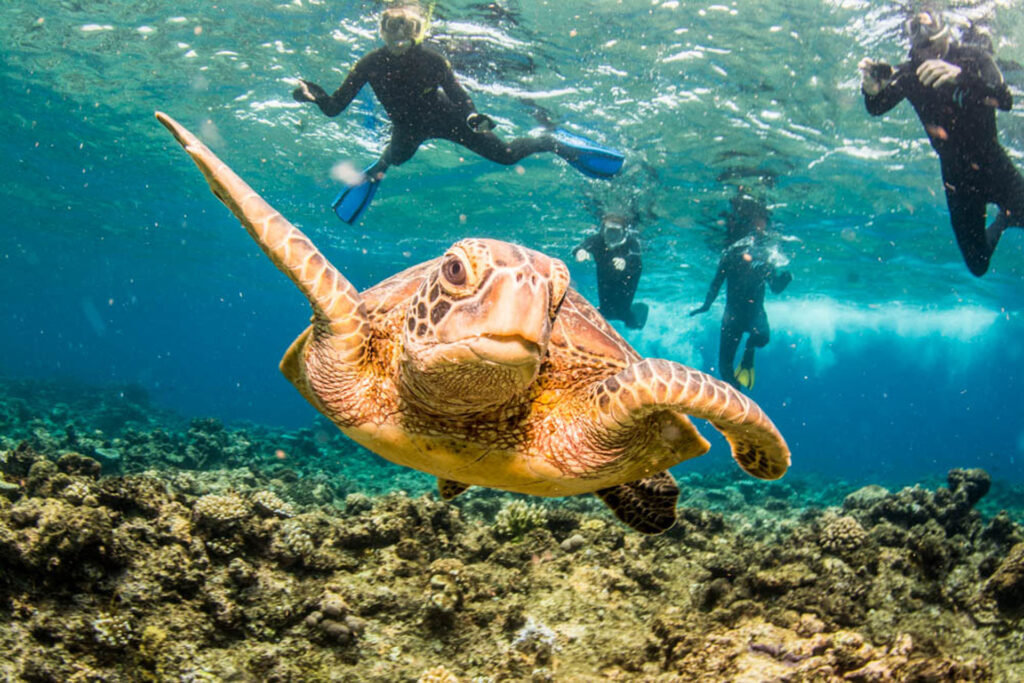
135,545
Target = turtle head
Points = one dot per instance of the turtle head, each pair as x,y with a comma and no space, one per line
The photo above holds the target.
477,331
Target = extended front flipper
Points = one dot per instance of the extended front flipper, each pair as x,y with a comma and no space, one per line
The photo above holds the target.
652,385
340,323
648,505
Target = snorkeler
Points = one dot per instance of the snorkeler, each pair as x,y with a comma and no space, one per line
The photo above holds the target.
419,91
955,89
616,252
746,264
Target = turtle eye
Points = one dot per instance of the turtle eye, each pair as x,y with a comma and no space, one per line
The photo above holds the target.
454,271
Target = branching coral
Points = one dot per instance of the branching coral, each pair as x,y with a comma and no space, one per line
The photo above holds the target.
517,517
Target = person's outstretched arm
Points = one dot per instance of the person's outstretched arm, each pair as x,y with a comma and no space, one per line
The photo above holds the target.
779,279
584,249
713,290
882,91
332,105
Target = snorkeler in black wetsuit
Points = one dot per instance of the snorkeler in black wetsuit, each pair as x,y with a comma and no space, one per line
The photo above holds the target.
746,265
421,96
616,252
419,91
955,90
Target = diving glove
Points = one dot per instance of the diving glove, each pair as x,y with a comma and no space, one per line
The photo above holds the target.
480,123
308,92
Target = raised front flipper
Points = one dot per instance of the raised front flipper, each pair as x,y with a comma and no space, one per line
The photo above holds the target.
339,317
652,385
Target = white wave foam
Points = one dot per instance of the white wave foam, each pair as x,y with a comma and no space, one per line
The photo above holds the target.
816,326
824,319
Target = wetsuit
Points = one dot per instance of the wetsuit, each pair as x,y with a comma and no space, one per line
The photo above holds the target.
616,288
961,124
421,96
746,266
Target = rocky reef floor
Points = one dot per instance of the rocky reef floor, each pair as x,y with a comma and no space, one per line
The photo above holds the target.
135,546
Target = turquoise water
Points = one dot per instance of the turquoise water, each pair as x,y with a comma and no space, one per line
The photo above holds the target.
889,361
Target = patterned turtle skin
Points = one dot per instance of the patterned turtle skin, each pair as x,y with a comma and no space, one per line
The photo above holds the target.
484,368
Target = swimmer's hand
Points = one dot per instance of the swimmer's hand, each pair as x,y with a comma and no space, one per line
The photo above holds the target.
703,309
619,263
872,75
937,72
480,123
582,255
781,281
308,92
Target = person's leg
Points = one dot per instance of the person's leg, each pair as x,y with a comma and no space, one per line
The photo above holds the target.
608,293
1007,188
630,281
637,316
728,342
758,338
403,145
967,215
493,148
616,288
630,278
760,332
490,146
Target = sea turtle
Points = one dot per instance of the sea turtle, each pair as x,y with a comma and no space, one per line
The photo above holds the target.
484,368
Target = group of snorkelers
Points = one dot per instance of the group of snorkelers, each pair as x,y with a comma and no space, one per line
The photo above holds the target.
954,88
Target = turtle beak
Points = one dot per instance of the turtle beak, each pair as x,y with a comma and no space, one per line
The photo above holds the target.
515,325
519,309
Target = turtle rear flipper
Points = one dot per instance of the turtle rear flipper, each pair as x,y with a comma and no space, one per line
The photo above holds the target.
647,505
449,489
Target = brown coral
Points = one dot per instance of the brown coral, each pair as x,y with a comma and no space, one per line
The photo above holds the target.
168,577
842,535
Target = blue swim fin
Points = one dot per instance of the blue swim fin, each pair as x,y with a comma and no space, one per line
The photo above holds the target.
353,201
586,156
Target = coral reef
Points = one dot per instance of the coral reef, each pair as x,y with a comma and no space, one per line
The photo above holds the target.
245,568
842,536
518,517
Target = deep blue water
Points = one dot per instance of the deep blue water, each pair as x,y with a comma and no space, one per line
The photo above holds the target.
888,362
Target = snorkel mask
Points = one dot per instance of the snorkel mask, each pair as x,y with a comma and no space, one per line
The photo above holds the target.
401,28
926,32
613,230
